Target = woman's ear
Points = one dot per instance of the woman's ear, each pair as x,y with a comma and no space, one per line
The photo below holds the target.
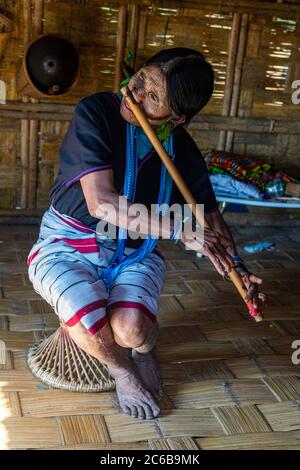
176,120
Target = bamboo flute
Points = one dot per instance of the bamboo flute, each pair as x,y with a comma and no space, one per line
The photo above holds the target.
186,193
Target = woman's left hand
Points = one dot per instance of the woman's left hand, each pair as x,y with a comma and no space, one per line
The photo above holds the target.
251,282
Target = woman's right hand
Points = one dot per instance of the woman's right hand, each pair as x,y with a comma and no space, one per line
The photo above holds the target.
211,244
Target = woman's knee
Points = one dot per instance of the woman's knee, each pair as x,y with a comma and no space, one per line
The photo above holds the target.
131,325
88,342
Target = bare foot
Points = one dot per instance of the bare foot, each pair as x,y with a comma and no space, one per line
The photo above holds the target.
148,369
133,398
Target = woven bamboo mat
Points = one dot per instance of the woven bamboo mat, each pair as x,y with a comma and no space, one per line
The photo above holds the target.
229,382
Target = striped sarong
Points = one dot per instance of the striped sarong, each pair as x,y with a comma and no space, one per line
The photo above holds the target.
65,266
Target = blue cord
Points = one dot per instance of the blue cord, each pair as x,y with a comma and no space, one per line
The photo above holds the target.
117,264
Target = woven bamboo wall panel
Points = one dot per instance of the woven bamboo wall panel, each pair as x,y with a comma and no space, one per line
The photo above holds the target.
92,30
207,33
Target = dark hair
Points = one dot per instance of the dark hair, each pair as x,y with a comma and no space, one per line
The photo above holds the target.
190,79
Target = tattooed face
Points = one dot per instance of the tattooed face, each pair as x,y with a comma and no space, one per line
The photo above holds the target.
149,89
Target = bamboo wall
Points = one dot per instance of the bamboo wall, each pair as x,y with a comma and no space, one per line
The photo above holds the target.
253,46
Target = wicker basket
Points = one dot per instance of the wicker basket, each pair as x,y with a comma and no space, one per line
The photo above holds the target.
60,363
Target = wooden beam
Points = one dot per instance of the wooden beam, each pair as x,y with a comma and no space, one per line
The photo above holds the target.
133,32
41,116
24,160
14,105
34,125
33,162
27,23
18,110
240,124
232,51
120,45
236,91
143,26
25,123
38,17
191,7
226,6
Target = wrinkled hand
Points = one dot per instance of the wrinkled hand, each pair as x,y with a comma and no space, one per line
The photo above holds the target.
251,282
213,245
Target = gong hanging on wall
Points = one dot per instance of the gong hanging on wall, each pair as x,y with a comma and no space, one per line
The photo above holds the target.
50,67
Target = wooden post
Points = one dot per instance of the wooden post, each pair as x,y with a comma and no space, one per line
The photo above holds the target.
120,45
27,22
143,25
34,125
232,51
134,32
238,76
24,161
38,17
33,161
24,122
248,90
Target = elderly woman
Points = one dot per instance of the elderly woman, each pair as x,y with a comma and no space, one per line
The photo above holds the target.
106,289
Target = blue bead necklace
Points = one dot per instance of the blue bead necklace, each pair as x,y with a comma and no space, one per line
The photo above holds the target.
117,263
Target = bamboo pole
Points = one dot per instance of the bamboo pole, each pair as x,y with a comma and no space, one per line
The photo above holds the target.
236,91
143,25
41,115
232,51
24,122
33,170
53,108
34,125
195,7
120,45
24,161
134,32
185,191
38,17
27,22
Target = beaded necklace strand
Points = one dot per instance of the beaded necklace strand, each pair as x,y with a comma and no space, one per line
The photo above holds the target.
117,263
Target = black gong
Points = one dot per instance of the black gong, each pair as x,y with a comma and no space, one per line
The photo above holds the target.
52,63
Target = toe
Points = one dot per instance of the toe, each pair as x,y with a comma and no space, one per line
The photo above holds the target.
155,411
126,410
141,413
148,411
134,411
152,404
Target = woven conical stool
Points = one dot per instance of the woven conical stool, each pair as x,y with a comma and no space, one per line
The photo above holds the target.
59,362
